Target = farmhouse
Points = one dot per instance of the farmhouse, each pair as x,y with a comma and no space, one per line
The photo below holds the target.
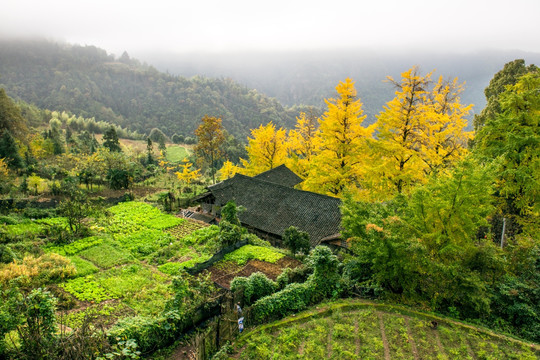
272,205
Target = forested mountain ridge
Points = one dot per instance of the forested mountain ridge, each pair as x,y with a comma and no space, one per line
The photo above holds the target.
89,82
309,77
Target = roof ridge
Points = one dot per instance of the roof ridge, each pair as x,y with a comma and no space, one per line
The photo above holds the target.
227,183
290,188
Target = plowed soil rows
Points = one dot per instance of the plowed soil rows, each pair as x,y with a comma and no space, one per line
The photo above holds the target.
224,273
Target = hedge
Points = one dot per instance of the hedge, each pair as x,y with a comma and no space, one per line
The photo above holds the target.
295,297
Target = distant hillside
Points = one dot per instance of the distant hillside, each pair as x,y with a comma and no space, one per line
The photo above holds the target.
91,83
310,77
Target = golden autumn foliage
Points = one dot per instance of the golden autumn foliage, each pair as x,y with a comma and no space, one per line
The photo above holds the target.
186,175
444,139
211,136
227,171
418,132
4,171
266,149
338,164
35,271
302,144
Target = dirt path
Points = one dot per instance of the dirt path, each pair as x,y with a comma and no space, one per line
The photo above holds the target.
183,353
383,336
439,344
357,338
329,339
411,339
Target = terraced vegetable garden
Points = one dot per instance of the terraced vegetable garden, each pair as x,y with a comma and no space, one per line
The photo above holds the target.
125,268
355,330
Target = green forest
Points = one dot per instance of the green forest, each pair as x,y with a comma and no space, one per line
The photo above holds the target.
100,158
88,82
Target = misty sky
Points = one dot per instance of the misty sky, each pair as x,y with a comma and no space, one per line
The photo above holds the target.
225,25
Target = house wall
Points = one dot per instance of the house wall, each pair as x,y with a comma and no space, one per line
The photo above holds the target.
275,240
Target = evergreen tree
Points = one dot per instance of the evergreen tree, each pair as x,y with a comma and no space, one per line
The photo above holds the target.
10,151
162,146
10,116
110,140
149,152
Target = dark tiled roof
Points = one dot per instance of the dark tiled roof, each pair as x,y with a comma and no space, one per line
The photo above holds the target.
273,208
202,217
281,175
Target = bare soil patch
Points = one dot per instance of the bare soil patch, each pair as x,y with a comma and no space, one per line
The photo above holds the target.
224,273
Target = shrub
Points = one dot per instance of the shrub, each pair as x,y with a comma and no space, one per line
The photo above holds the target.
229,213
32,271
150,333
229,233
296,240
299,274
325,277
37,337
293,298
259,286
6,254
7,220
239,285
283,279
254,287
35,213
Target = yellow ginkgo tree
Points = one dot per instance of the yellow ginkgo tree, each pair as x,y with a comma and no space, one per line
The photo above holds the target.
420,131
186,175
227,171
267,149
340,156
302,144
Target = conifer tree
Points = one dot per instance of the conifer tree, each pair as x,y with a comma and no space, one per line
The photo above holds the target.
10,151
110,140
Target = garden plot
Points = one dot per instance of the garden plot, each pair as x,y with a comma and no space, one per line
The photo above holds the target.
248,260
117,269
355,330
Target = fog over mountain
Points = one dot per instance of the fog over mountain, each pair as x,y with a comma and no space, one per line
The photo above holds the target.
309,77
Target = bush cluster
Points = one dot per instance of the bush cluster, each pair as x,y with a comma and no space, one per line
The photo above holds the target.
254,287
294,298
36,271
324,282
